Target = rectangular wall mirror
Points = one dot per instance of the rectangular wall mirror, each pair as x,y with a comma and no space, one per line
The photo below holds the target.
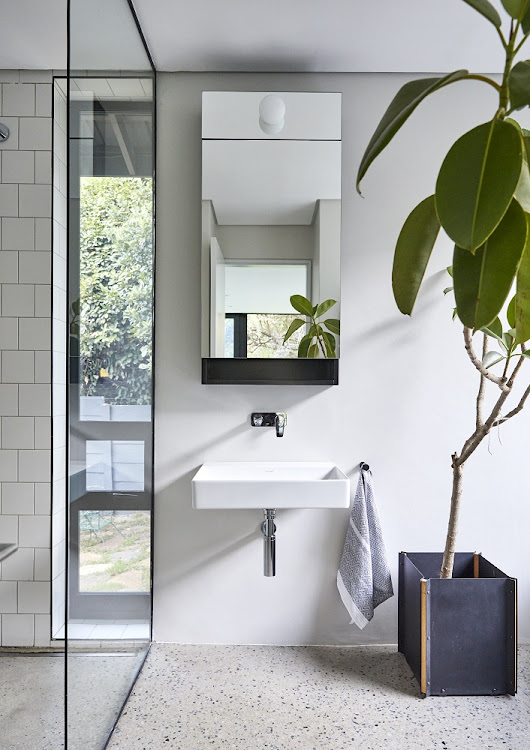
271,220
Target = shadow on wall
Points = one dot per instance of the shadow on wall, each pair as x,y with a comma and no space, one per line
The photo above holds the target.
398,327
201,538
203,543
213,400
208,535
330,622
262,61
185,456
212,404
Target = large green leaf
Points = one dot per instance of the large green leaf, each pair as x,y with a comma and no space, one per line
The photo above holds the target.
399,110
522,297
525,23
519,85
333,325
312,352
477,181
516,8
324,307
413,250
483,280
487,10
303,346
302,305
520,10
295,325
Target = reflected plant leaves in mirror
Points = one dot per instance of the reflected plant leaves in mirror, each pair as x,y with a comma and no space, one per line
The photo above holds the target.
316,342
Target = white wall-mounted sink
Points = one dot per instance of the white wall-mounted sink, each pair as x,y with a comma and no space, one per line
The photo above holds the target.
271,484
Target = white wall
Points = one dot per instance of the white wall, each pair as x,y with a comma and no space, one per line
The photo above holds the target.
404,403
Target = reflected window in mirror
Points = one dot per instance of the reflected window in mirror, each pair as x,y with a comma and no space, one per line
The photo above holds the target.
258,311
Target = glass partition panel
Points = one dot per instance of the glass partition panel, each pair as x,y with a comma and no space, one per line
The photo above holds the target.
111,135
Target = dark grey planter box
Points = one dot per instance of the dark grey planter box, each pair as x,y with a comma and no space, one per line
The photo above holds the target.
459,635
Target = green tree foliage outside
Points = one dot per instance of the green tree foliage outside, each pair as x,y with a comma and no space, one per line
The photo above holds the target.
116,288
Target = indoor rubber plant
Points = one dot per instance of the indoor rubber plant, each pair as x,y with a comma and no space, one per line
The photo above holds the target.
482,202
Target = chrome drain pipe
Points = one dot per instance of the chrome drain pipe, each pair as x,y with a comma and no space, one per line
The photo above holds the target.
268,528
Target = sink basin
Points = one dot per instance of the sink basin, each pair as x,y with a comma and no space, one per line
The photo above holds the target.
273,484
6,550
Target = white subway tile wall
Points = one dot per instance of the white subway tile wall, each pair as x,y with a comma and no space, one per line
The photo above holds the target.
17,233
18,300
19,566
43,371
34,400
25,355
18,498
18,630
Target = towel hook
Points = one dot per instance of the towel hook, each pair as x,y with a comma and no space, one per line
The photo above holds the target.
363,466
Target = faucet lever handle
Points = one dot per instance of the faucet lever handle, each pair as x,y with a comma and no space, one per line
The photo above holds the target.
280,421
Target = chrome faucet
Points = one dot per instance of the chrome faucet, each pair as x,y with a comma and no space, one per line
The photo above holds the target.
276,419
279,421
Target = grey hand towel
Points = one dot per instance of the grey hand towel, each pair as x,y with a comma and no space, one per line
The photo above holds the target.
363,578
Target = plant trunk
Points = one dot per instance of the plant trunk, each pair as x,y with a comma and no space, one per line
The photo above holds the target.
449,552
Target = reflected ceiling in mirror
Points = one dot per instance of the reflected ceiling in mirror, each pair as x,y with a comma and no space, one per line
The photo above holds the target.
271,214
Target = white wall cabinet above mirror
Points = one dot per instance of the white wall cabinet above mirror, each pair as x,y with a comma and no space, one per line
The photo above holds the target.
271,221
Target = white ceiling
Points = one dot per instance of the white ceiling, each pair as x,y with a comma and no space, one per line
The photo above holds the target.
269,35
33,34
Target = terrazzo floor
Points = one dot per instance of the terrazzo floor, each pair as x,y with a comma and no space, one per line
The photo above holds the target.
308,698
